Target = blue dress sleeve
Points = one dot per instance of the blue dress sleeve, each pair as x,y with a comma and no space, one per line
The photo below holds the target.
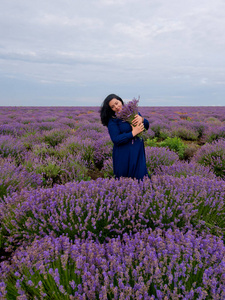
116,136
146,123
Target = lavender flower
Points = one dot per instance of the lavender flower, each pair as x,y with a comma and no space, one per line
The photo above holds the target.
167,264
124,239
107,208
128,112
212,155
157,157
15,178
180,168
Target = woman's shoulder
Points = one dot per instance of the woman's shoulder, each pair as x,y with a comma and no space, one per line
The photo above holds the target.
113,120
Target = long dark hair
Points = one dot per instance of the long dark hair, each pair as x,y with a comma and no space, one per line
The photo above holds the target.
105,111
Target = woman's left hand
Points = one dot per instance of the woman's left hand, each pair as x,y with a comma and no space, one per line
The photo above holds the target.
137,120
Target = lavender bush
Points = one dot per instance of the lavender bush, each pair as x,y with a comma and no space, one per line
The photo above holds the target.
190,150
147,265
15,178
157,157
14,129
77,145
57,170
94,147
160,128
105,208
179,169
10,146
175,144
212,155
108,168
55,137
185,132
110,239
215,133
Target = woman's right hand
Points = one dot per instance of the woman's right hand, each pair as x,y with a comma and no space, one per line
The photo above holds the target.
137,129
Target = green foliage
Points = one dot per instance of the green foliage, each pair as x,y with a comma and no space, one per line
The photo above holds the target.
11,148
43,285
45,127
50,171
190,151
54,137
159,156
1,239
213,155
216,160
216,135
108,168
29,166
152,142
58,169
185,133
73,170
50,120
174,144
28,143
3,190
43,150
86,151
165,133
214,121
156,128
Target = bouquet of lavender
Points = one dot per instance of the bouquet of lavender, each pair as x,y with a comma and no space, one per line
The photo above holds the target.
128,112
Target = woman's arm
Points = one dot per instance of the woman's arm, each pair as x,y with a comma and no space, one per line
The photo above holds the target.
139,119
116,136
146,124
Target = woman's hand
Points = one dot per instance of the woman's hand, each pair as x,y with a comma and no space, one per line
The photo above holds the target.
137,120
137,129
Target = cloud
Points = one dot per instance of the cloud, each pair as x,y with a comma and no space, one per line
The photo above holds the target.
69,23
102,45
148,30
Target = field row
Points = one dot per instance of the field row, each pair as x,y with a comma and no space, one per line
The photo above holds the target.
70,230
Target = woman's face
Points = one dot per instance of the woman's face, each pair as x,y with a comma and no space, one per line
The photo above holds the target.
115,104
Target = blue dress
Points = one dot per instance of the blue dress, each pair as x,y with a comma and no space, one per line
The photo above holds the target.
128,151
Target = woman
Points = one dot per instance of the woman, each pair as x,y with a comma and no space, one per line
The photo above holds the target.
128,150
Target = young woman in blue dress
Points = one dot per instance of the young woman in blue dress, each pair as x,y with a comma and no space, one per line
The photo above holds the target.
128,150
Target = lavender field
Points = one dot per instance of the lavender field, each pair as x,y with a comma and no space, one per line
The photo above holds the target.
70,230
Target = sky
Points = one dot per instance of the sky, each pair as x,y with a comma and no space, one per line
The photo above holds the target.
76,52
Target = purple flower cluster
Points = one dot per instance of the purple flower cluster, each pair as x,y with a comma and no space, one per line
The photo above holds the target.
70,237
181,168
160,127
67,146
108,168
215,133
185,132
212,155
105,208
58,168
147,265
157,157
15,178
10,146
128,111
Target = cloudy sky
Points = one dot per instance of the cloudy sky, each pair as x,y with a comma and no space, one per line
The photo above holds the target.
76,52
